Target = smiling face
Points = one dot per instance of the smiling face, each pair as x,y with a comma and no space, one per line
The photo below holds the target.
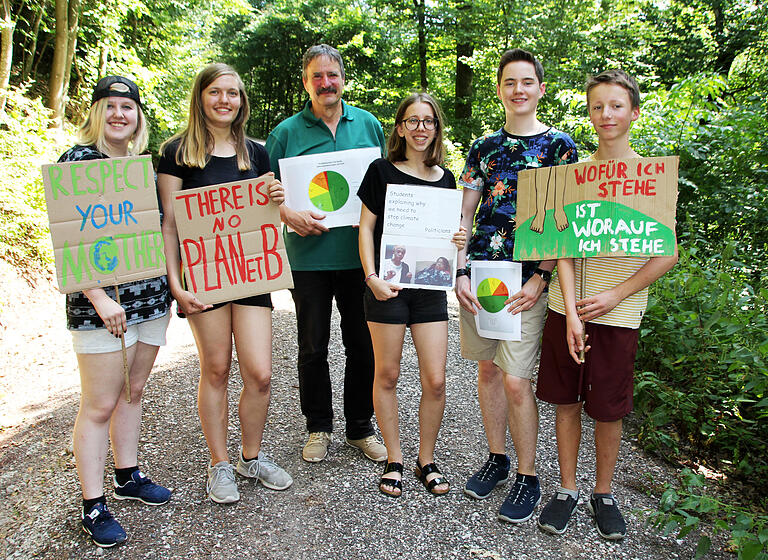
519,88
221,101
324,82
418,140
611,111
120,122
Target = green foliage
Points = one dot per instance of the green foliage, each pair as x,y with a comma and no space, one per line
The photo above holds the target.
686,509
26,142
704,362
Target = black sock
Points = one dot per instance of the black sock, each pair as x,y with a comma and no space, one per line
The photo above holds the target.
124,475
88,504
498,458
246,460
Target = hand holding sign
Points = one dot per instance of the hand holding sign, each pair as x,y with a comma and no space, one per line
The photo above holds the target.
304,222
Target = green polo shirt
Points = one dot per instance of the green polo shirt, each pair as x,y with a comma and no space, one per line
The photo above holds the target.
303,134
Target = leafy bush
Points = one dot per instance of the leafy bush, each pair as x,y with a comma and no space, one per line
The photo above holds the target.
704,363
26,143
683,510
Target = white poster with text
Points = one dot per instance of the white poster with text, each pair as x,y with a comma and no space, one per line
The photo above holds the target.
327,183
416,246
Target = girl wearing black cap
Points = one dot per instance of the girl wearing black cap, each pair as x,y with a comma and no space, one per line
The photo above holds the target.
115,127
211,150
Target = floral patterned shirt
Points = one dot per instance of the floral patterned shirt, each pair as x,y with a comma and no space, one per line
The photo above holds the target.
492,166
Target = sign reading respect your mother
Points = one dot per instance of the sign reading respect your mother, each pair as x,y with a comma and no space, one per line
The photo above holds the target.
230,241
104,221
597,208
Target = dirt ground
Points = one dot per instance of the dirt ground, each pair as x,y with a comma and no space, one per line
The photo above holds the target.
333,510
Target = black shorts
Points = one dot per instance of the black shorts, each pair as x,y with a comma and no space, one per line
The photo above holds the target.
262,300
410,307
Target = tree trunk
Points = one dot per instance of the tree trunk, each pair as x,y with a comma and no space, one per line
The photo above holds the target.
422,31
59,65
103,59
73,19
464,76
29,55
6,53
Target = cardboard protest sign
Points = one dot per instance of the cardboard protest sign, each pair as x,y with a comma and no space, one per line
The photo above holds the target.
104,219
492,283
597,208
327,183
230,241
416,247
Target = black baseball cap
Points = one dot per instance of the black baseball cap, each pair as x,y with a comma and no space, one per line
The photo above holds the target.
115,86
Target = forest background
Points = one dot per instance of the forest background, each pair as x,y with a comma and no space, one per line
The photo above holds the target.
702,369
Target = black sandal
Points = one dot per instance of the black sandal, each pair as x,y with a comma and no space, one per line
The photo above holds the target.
392,483
423,472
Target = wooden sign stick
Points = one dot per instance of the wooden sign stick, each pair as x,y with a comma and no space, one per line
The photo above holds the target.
583,329
125,355
581,296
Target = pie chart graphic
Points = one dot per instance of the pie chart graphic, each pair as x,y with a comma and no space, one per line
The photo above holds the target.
328,191
492,293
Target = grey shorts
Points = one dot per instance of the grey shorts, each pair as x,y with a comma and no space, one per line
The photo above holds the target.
101,341
514,357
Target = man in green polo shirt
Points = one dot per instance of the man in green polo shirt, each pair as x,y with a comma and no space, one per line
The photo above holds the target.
325,262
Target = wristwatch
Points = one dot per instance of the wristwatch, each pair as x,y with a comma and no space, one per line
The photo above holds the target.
461,272
545,275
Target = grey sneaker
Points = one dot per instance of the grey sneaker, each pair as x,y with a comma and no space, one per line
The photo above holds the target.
221,486
264,469
316,447
371,448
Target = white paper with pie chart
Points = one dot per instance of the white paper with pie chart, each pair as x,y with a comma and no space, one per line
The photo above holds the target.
327,183
493,282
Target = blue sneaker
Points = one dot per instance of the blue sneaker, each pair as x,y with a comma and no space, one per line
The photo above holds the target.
491,475
141,488
522,499
104,529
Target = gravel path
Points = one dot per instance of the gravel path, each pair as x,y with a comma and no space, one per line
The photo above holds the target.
332,511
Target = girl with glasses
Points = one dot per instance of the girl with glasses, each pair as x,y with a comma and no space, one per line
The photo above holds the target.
415,156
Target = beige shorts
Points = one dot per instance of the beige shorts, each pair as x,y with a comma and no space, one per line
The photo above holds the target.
100,341
514,357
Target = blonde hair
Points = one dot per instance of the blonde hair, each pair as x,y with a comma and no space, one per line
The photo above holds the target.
396,144
91,132
196,141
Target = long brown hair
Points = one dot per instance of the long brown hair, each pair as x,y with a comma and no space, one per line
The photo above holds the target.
196,140
396,143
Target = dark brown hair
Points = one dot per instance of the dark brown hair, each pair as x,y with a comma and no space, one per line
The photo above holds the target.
515,55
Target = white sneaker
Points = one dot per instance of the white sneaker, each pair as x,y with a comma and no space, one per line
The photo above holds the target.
221,486
316,448
265,470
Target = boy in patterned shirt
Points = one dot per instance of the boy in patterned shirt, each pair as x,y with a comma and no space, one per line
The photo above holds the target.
614,300
505,367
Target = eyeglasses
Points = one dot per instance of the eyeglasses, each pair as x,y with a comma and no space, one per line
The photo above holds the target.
413,123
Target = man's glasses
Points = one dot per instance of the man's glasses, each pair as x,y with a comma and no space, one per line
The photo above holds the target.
413,123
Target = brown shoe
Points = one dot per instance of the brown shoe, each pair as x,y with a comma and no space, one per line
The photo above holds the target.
316,448
371,447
